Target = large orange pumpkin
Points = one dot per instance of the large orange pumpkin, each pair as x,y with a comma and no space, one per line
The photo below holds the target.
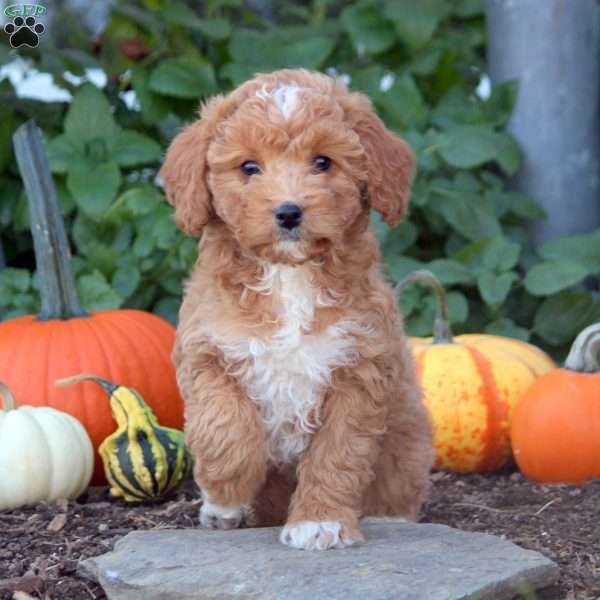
472,384
556,429
129,346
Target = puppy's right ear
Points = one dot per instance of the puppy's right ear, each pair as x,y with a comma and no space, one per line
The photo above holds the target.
184,169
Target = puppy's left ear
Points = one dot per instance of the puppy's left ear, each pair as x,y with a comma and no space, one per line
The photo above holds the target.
390,160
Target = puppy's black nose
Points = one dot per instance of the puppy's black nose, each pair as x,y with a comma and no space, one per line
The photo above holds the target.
288,215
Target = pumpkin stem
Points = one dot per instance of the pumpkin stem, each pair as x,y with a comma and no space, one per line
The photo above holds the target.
107,385
584,356
58,293
442,334
9,400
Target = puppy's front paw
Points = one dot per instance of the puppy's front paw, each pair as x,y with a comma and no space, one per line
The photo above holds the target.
214,516
318,535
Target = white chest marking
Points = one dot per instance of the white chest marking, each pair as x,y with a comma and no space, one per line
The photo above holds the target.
286,373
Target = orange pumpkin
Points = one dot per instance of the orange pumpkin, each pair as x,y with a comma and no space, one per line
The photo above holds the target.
129,346
472,384
556,429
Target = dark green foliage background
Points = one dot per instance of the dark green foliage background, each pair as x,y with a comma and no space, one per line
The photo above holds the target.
464,224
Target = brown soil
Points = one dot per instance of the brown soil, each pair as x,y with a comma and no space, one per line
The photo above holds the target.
40,546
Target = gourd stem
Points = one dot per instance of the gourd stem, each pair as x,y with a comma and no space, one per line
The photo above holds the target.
58,293
584,356
107,385
9,400
442,334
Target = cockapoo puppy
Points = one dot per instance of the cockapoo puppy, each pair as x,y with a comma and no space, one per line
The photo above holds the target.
301,400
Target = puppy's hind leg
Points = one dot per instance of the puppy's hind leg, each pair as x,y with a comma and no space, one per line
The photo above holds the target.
226,437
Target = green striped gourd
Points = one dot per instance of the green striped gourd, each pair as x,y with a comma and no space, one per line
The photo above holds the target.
142,460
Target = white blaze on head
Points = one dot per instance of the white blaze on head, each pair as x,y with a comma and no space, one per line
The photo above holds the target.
285,97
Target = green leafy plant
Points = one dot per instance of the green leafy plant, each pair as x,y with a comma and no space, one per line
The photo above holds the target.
420,62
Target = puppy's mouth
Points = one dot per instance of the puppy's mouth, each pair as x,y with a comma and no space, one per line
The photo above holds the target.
296,250
289,235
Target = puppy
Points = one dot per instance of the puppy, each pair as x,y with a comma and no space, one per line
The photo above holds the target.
301,401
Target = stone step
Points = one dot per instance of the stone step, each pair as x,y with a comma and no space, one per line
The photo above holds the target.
399,561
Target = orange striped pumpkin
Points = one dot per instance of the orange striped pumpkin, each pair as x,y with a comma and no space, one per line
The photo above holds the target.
472,384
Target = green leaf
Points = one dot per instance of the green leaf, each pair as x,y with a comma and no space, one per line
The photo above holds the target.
183,77
458,107
515,203
425,61
95,292
450,272
400,238
284,47
495,254
400,266
138,16
126,280
583,249
508,154
168,308
367,80
154,107
133,203
468,146
216,29
403,103
369,31
494,288
164,230
90,119
416,22
94,188
458,307
501,102
172,283
143,246
229,3
467,214
469,8
562,316
507,328
13,281
500,255
133,148
103,258
179,13
63,153
552,276
420,306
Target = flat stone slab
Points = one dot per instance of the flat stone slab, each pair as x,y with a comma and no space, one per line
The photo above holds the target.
399,561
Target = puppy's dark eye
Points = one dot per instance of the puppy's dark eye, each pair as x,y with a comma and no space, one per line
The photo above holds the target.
250,168
321,163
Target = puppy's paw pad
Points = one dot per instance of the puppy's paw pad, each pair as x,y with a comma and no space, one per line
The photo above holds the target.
214,516
316,535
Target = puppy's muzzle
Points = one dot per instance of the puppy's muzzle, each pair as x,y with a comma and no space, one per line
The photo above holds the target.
288,216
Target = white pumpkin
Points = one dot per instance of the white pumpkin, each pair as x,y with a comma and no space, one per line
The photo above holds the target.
45,454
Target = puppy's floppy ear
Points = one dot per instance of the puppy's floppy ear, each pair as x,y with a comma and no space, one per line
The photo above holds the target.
184,169
390,160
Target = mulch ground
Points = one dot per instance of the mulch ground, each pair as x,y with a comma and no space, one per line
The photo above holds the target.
40,546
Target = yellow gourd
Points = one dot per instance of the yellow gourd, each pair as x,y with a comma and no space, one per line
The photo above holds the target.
142,460
472,385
